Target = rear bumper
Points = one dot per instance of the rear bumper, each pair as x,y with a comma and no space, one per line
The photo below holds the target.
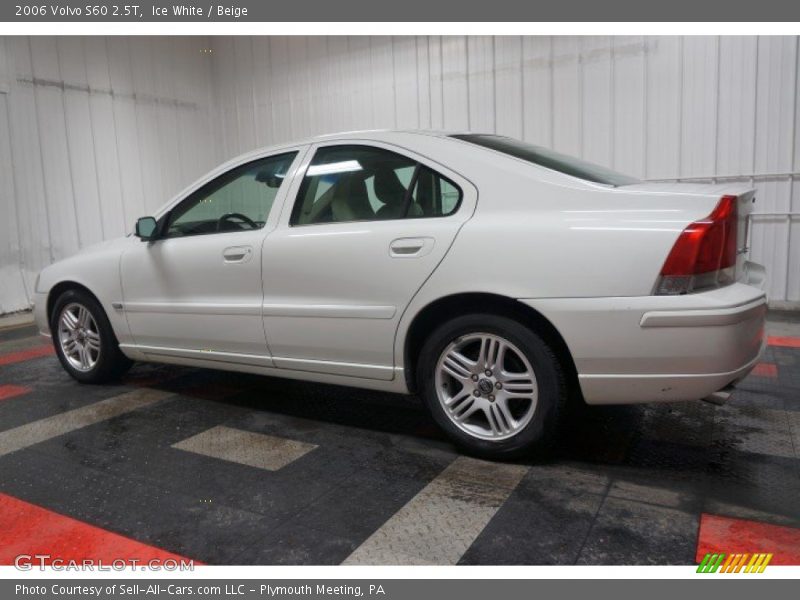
660,348
635,389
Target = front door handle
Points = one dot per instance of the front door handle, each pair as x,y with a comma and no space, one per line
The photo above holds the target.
410,247
237,254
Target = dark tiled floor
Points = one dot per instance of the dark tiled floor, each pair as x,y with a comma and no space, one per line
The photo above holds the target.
626,485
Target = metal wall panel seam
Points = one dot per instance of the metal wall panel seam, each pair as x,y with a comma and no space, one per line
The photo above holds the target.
41,156
94,150
69,154
116,136
20,245
791,178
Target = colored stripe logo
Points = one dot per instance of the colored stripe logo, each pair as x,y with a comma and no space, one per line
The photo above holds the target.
714,562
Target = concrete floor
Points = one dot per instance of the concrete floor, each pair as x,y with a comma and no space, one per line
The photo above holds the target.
236,469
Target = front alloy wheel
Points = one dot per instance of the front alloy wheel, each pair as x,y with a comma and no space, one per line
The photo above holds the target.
84,340
79,337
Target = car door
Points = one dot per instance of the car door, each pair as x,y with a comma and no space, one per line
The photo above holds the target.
196,290
363,228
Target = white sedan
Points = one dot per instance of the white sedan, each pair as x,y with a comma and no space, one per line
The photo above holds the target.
494,278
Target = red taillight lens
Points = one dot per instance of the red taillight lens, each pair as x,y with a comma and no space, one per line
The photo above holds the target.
704,247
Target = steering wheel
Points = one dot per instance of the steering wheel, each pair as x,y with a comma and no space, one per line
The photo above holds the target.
231,216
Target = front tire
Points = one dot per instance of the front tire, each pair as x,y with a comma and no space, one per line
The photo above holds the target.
84,340
494,386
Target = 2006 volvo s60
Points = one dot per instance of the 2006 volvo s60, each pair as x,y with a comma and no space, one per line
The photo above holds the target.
493,277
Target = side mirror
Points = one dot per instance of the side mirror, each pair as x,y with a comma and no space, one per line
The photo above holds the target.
146,228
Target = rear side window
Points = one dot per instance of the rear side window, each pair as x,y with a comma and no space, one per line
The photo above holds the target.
549,159
364,183
434,195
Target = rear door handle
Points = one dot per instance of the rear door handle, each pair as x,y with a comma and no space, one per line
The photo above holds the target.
410,247
237,254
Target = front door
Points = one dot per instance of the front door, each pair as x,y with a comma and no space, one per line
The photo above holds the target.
196,291
368,225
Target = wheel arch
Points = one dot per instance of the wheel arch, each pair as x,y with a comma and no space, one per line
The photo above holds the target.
447,307
63,286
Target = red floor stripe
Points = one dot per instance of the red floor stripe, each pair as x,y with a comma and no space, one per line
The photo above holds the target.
728,535
9,391
23,355
765,370
32,530
786,342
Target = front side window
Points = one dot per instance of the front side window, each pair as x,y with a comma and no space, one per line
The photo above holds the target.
239,200
363,183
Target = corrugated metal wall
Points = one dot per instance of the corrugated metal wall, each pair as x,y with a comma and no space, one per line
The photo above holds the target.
94,132
702,108
97,131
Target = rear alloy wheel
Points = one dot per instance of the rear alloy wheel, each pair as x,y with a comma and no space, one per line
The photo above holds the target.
83,339
486,386
492,384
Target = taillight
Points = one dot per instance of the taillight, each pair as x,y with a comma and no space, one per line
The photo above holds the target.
705,253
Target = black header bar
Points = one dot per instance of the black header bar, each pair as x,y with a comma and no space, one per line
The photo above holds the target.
137,11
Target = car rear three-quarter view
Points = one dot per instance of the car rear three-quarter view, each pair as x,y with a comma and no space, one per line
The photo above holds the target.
494,278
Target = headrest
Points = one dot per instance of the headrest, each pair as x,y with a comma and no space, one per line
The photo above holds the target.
388,188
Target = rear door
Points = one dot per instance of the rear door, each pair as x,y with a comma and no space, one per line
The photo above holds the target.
368,225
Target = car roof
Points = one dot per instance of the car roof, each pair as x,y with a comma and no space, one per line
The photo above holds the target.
377,133
362,134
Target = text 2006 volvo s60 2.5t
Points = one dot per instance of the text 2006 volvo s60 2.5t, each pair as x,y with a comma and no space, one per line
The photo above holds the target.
492,277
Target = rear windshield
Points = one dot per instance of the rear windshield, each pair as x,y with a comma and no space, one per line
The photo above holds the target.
549,159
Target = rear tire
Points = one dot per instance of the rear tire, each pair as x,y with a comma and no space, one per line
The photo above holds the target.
84,340
494,385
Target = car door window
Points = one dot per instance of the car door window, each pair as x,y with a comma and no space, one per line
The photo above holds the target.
239,200
434,195
364,183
